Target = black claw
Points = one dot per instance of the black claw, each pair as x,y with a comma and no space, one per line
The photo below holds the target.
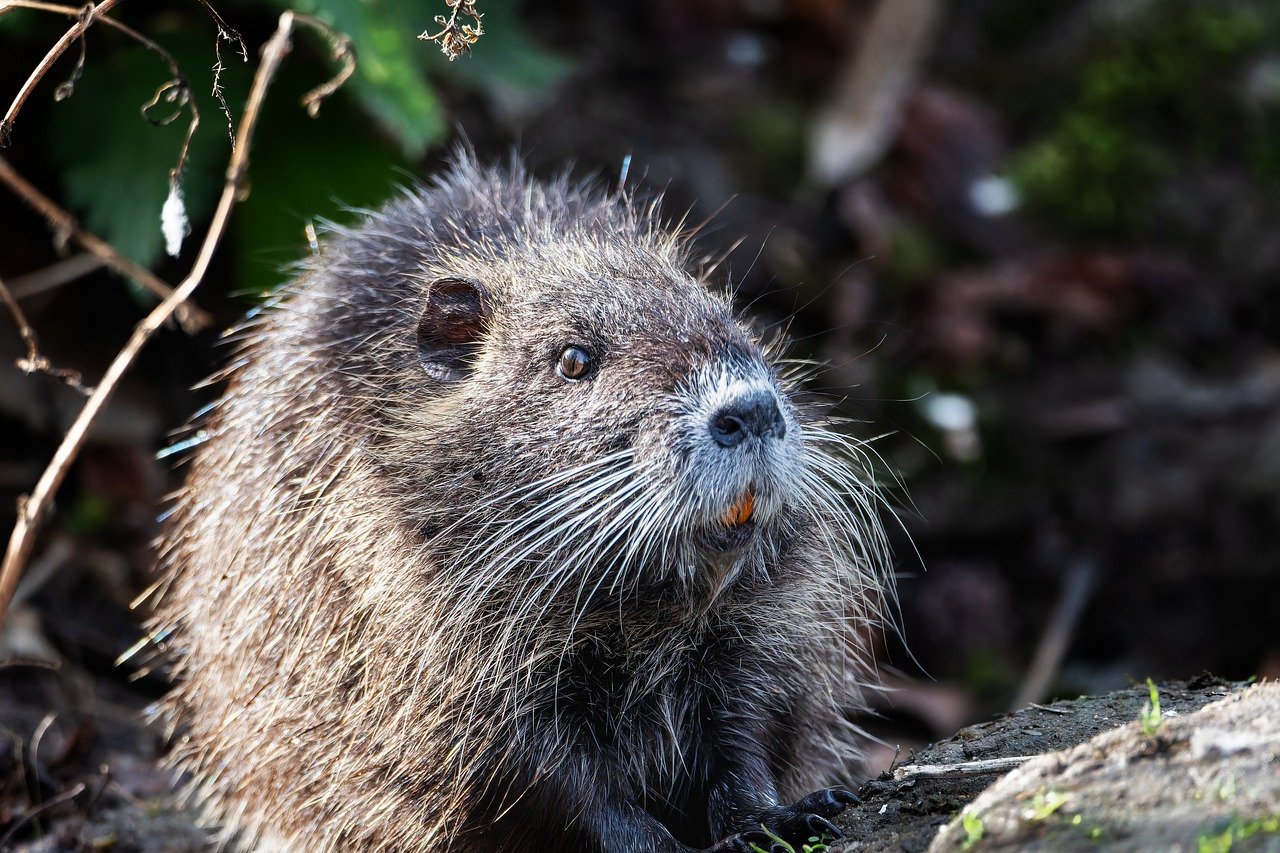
797,823
819,826
828,803
844,795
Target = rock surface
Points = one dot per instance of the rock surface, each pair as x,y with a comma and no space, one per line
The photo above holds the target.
1206,778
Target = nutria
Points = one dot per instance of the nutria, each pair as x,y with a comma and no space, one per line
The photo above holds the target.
507,535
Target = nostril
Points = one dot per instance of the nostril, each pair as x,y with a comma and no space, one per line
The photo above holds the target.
728,429
756,414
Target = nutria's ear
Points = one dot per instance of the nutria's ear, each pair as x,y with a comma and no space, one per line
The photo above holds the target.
453,322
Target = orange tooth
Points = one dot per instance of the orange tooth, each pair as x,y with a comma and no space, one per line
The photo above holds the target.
740,512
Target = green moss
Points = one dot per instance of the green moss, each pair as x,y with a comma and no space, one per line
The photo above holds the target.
1220,840
771,149
1157,91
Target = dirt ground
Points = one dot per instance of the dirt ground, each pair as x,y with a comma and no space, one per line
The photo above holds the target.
79,771
1176,780
907,814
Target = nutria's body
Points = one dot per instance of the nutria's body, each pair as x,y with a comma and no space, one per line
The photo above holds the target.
507,536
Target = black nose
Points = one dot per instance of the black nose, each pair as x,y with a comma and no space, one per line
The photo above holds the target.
755,414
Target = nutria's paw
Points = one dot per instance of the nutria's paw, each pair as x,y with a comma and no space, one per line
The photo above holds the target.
795,824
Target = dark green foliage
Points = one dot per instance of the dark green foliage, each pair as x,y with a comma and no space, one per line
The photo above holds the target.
390,80
1159,88
114,165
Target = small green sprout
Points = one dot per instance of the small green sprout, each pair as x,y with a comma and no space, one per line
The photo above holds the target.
815,845
1237,830
973,828
1046,803
1150,716
1093,833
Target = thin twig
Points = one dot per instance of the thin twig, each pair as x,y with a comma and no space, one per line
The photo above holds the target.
225,33
343,51
176,90
56,555
91,13
34,362
67,88
54,275
1077,587
65,226
32,510
963,768
78,11
29,663
70,794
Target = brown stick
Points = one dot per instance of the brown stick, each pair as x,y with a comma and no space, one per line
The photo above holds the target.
35,362
1077,586
24,328
342,51
31,511
66,226
859,121
54,276
189,316
7,6
90,14
964,768
178,82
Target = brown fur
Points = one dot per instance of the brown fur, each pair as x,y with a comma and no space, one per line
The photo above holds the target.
373,653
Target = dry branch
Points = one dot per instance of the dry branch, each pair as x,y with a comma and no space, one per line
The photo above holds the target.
963,768
55,275
191,317
1077,586
31,511
34,361
86,17
65,226
858,123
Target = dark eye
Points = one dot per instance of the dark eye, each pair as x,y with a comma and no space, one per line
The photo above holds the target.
574,363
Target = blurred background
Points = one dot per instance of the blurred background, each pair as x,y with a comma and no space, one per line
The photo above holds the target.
1036,246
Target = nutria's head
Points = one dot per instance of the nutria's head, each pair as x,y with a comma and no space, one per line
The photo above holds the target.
618,418
550,393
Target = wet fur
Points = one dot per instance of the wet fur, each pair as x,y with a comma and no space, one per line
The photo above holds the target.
406,616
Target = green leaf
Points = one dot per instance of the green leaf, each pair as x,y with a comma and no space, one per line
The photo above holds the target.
302,170
390,79
392,64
